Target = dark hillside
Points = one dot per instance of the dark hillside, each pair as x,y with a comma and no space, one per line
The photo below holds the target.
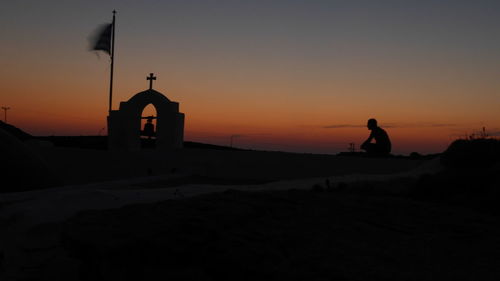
16,132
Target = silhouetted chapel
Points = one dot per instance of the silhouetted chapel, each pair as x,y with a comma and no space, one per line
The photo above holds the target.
124,124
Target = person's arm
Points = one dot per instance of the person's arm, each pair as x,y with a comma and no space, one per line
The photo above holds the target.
367,141
369,138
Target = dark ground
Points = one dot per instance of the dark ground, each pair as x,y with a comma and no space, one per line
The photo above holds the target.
76,166
287,235
443,226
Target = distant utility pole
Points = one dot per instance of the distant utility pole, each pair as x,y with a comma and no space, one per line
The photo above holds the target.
231,139
5,112
352,147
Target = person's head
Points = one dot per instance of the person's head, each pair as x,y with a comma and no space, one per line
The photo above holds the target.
372,124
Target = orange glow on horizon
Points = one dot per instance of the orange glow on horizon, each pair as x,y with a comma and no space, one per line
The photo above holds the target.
257,124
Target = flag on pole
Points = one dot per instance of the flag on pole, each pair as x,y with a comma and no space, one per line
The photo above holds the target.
102,38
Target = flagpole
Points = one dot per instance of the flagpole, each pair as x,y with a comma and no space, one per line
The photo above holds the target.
112,62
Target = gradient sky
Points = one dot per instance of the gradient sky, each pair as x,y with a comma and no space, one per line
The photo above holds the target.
279,75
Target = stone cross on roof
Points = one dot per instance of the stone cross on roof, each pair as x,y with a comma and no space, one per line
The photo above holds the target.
151,78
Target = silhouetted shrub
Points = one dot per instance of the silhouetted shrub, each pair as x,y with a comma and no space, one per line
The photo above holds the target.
415,155
472,154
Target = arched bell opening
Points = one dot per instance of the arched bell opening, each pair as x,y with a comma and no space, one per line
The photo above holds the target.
148,135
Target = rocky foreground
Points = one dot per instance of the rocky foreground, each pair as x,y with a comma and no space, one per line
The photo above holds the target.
321,234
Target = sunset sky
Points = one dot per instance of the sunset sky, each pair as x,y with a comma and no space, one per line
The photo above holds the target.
301,76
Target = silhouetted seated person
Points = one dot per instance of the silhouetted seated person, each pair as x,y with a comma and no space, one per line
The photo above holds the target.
149,128
382,145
